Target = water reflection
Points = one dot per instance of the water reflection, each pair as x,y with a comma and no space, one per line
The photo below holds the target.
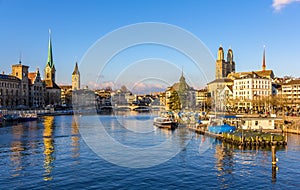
48,147
16,149
75,139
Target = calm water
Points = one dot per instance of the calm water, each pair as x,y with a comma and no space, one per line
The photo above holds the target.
51,153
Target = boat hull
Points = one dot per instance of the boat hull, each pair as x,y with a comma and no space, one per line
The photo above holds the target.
171,125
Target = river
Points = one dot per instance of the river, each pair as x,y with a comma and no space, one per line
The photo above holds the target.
68,152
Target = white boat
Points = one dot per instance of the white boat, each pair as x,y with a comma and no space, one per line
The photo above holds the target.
28,117
165,122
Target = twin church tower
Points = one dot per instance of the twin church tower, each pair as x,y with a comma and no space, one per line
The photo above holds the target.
223,68
49,72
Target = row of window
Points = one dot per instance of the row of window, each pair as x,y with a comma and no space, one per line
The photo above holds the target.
255,93
253,86
9,85
254,82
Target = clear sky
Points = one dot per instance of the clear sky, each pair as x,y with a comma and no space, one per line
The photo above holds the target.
245,26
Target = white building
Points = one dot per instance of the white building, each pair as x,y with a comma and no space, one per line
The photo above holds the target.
251,88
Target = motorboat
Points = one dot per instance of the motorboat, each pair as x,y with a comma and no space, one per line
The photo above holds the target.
28,117
165,122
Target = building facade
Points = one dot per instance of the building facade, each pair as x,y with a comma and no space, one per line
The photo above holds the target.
10,94
37,90
251,91
289,95
21,71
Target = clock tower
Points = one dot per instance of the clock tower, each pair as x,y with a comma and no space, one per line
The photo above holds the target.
76,78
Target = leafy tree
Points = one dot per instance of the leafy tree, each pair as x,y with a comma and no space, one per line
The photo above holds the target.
174,101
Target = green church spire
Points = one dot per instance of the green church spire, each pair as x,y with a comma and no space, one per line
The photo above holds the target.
50,57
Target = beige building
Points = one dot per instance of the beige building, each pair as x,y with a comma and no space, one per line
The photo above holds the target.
21,72
66,95
251,90
215,89
289,95
201,98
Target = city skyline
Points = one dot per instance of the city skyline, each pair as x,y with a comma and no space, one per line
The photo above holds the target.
76,26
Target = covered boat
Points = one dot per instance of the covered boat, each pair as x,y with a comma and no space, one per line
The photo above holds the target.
218,129
217,125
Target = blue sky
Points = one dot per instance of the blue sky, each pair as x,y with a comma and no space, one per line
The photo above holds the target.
245,26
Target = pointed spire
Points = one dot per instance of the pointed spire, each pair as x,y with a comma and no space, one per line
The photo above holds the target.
182,79
50,57
76,70
264,59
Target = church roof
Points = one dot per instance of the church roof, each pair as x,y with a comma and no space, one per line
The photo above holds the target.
51,84
261,73
76,70
221,80
50,56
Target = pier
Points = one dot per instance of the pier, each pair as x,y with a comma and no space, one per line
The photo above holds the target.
244,137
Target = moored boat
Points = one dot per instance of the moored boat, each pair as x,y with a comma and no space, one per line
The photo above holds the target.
217,126
11,117
28,117
165,122
218,129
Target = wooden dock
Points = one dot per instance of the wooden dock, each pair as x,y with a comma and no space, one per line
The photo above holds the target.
244,138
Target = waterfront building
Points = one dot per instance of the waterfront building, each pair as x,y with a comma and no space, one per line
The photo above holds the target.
53,92
21,72
22,89
66,95
252,91
76,78
37,90
244,90
226,97
215,88
223,69
201,98
289,94
10,95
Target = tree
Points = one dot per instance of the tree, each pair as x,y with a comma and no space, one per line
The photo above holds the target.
174,101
